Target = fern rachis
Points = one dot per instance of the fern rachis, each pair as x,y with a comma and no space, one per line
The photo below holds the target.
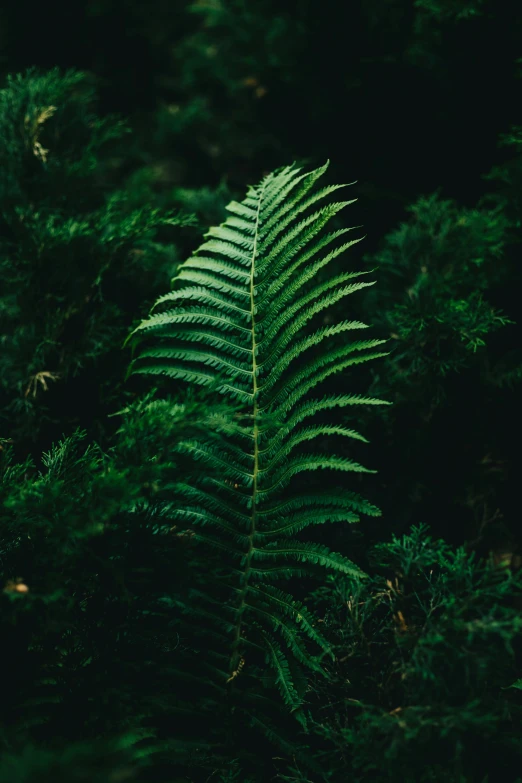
237,320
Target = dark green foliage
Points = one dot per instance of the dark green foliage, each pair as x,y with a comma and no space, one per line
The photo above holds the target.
82,634
80,762
427,651
455,365
103,586
438,269
75,255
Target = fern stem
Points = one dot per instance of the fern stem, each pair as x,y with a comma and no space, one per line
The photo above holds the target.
236,651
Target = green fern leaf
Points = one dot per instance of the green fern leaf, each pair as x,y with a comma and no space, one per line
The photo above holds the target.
244,319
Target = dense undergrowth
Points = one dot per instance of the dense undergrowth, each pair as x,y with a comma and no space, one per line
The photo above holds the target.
155,618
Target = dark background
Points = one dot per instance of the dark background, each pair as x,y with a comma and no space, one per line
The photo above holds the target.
398,99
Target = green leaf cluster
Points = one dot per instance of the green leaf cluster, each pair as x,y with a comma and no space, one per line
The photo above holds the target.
426,659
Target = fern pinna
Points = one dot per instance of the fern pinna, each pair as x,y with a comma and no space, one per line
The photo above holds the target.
237,320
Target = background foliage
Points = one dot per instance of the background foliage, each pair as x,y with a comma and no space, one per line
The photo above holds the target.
121,141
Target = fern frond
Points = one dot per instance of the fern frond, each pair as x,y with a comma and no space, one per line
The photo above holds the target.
242,319
278,661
